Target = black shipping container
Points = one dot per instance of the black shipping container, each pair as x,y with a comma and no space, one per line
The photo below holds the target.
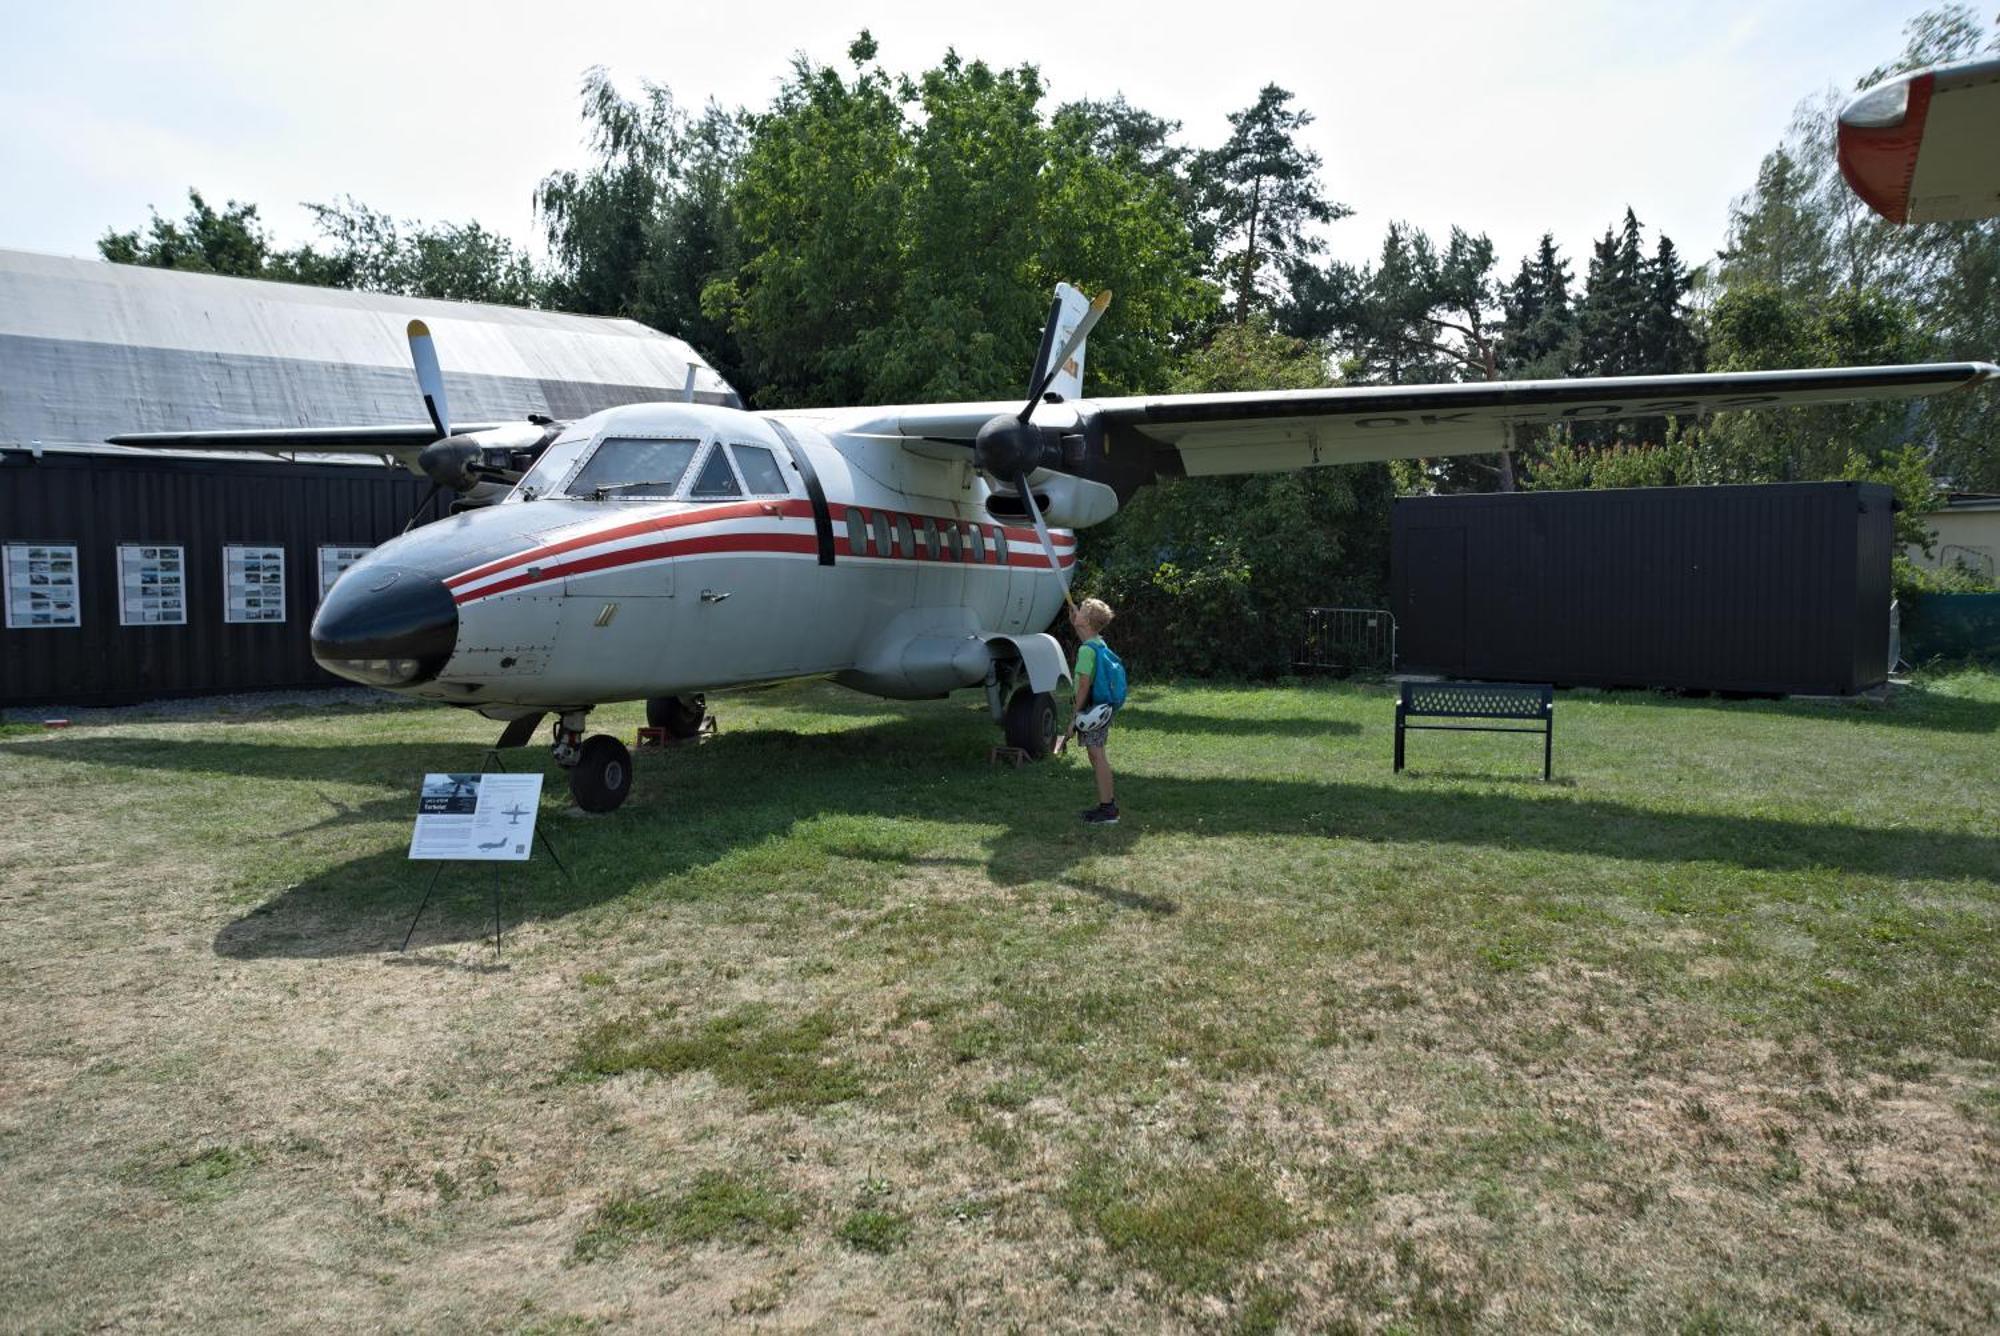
98,502
1768,589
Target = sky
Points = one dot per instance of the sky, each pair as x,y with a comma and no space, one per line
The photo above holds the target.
1511,117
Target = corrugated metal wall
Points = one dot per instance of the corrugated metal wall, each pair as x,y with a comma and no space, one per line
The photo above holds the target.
1768,589
98,502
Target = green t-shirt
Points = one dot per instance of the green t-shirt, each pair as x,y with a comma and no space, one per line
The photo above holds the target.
1086,656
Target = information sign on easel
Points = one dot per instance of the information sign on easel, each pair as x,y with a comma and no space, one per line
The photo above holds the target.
477,818
487,817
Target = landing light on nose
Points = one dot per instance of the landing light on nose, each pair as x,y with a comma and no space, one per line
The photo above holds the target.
386,627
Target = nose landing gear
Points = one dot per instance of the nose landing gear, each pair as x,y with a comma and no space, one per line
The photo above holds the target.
600,768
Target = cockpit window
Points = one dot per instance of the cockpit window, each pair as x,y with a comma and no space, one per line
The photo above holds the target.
759,468
559,458
715,482
627,467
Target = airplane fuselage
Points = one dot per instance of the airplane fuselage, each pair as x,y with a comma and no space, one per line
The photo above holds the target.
853,557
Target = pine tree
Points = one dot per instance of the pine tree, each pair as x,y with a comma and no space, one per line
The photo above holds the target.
1667,342
1540,335
1263,192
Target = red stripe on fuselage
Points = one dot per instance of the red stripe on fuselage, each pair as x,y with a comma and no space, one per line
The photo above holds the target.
656,524
632,556
791,509
792,544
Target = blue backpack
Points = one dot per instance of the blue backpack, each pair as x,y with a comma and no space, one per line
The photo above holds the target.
1107,680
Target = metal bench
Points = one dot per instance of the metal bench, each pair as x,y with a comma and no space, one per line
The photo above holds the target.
1478,700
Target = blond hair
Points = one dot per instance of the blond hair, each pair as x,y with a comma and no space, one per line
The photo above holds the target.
1097,612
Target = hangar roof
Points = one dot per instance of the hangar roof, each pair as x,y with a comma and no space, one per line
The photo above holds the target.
90,349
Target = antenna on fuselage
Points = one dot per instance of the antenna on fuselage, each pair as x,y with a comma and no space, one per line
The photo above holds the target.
687,390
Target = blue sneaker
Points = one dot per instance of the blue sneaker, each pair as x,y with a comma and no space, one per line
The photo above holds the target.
1104,814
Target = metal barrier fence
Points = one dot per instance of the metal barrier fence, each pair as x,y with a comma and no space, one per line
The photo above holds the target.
1347,640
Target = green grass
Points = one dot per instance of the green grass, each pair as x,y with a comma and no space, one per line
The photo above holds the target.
871,1229
208,1175
1191,1226
773,1063
717,1208
834,1025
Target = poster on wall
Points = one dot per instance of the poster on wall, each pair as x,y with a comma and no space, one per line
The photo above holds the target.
152,585
482,818
253,584
42,586
333,561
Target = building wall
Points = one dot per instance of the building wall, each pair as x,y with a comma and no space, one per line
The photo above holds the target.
96,503
1968,536
1763,589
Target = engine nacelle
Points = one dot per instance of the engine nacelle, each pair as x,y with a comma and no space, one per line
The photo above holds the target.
1067,501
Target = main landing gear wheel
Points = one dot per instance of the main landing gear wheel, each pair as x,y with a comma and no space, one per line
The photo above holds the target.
681,716
601,779
1031,722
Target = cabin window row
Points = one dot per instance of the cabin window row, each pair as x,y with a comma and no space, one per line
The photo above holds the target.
878,533
44,583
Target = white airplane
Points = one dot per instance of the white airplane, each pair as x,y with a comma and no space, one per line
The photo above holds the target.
660,551
1924,147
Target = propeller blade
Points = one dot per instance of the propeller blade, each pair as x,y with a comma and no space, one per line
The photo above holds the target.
1069,347
430,379
1042,532
429,497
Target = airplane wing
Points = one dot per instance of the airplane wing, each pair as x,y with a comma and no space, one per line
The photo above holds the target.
1199,434
1126,443
1924,147
314,440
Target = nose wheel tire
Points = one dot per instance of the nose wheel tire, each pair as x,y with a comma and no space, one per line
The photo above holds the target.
1031,722
681,716
601,779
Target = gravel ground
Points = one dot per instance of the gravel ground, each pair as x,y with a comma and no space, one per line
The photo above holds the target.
210,707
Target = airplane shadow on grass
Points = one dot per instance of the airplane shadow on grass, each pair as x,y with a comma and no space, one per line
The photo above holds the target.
697,806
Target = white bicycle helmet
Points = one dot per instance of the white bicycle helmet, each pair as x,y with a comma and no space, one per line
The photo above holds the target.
1094,718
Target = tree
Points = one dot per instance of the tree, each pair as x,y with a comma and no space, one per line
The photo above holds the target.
1778,232
1420,316
817,206
230,242
370,252
1215,574
900,236
644,230
1538,340
1760,326
1614,299
1632,320
452,261
1801,238
1667,343
1262,190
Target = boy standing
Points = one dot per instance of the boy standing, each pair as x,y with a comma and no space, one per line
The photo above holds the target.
1092,725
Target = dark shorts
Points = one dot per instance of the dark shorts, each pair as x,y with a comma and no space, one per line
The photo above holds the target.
1094,737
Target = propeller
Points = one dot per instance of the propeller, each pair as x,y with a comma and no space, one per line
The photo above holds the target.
430,379
1010,446
457,462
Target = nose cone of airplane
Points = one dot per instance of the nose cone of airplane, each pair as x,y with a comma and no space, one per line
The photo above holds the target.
386,626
